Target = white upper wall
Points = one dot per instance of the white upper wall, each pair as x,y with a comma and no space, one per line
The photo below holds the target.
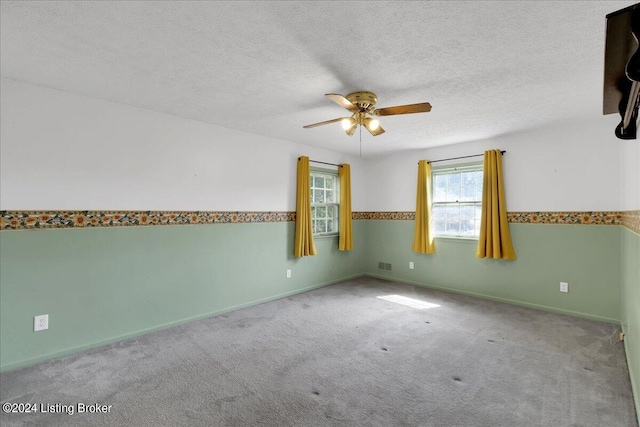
630,171
574,167
62,151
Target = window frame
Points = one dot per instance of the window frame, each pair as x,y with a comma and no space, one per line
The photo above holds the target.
335,206
443,170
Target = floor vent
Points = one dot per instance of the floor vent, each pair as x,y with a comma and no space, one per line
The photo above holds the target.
380,265
387,266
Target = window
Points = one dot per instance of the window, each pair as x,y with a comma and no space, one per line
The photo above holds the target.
324,202
457,201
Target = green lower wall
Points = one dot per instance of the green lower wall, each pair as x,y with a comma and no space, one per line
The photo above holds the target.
630,287
102,285
586,256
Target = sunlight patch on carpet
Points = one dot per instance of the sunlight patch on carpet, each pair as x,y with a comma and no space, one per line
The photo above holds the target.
411,302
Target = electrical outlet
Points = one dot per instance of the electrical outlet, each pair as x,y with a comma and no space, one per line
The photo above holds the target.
621,337
41,323
564,286
288,274
411,265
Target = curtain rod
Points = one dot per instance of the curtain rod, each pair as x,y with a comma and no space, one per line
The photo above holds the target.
324,163
463,157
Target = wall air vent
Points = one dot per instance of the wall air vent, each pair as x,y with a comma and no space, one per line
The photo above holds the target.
384,266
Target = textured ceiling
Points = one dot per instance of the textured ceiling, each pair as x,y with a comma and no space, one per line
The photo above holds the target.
488,68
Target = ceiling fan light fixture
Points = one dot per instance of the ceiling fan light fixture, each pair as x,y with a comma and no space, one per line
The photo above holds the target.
362,104
346,123
373,126
352,128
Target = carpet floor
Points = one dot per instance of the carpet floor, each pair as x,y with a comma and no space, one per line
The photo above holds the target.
343,356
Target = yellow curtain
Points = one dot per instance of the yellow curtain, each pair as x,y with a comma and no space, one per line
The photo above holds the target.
345,241
303,245
495,238
422,238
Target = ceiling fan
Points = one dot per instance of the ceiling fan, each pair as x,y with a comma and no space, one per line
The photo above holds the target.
363,104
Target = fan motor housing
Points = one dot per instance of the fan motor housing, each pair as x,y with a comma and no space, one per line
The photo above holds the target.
366,101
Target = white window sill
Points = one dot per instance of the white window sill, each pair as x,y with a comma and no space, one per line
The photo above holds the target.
325,236
458,239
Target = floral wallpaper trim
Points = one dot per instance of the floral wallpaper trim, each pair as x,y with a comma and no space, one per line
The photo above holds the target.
597,218
631,220
13,220
590,217
21,220
384,215
628,219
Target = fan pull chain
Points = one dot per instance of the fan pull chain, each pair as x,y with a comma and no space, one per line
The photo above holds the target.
360,141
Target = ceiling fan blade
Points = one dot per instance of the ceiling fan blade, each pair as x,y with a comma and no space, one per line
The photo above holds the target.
324,123
342,101
423,107
351,130
375,131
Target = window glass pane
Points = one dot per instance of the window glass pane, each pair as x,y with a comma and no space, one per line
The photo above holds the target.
478,211
318,182
331,212
452,214
468,194
321,212
329,225
329,182
453,187
439,188
438,212
478,218
467,220
452,211
452,226
467,212
466,229
329,196
469,186
318,196
479,187
468,179
478,178
321,226
438,226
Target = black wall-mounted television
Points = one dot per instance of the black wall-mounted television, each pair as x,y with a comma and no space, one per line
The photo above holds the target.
622,69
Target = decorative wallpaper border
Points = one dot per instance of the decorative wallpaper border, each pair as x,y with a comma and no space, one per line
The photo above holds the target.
23,220
631,220
408,216
14,220
594,217
627,219
598,218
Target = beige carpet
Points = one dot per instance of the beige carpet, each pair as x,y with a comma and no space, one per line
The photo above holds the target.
341,356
